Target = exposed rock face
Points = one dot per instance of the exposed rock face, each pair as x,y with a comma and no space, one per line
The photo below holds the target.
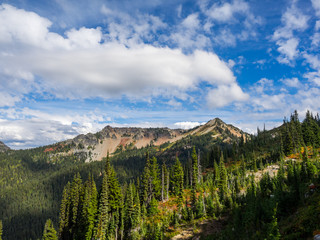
110,139
3,147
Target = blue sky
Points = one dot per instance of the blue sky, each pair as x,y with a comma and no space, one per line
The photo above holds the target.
73,67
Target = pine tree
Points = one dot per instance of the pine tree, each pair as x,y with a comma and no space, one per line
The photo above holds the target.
49,233
65,213
151,184
194,167
155,180
223,183
114,191
103,216
177,181
131,209
272,228
146,181
89,209
163,181
71,208
199,168
0,230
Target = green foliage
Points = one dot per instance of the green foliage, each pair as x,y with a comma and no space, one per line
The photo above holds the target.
0,230
49,233
103,217
177,181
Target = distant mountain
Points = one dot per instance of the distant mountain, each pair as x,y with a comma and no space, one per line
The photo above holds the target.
94,147
3,147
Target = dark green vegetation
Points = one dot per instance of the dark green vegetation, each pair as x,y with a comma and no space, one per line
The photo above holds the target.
262,187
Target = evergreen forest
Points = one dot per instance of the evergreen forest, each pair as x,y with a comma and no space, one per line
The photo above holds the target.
263,186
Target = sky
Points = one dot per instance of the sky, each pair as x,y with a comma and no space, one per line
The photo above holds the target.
73,67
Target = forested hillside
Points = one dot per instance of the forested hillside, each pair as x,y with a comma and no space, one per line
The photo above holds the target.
249,187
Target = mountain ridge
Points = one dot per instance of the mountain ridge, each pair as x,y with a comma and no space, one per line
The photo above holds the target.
4,147
96,146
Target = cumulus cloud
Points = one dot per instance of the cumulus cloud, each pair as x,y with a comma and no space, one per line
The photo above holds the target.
24,128
226,11
292,20
81,66
224,16
292,82
187,35
224,95
316,6
288,50
186,125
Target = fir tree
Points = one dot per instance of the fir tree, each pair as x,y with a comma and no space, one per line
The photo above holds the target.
177,181
49,233
89,209
103,216
194,167
0,230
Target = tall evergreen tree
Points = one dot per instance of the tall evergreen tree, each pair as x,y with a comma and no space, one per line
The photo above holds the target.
177,181
89,209
194,167
103,216
0,229
49,233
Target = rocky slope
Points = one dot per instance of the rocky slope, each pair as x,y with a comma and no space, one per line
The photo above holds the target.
3,147
94,147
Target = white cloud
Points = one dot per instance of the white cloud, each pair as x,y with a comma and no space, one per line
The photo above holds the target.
316,6
187,34
85,37
186,125
29,128
226,11
288,50
292,82
263,85
315,39
83,66
313,60
292,20
313,77
224,95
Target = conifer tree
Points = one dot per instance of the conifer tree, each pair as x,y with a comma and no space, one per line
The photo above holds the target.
272,228
216,173
164,183
65,213
199,167
146,181
223,183
114,192
0,230
71,208
89,209
177,181
194,167
49,233
151,183
103,216
155,180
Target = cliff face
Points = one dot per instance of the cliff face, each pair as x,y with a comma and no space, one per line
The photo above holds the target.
94,147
